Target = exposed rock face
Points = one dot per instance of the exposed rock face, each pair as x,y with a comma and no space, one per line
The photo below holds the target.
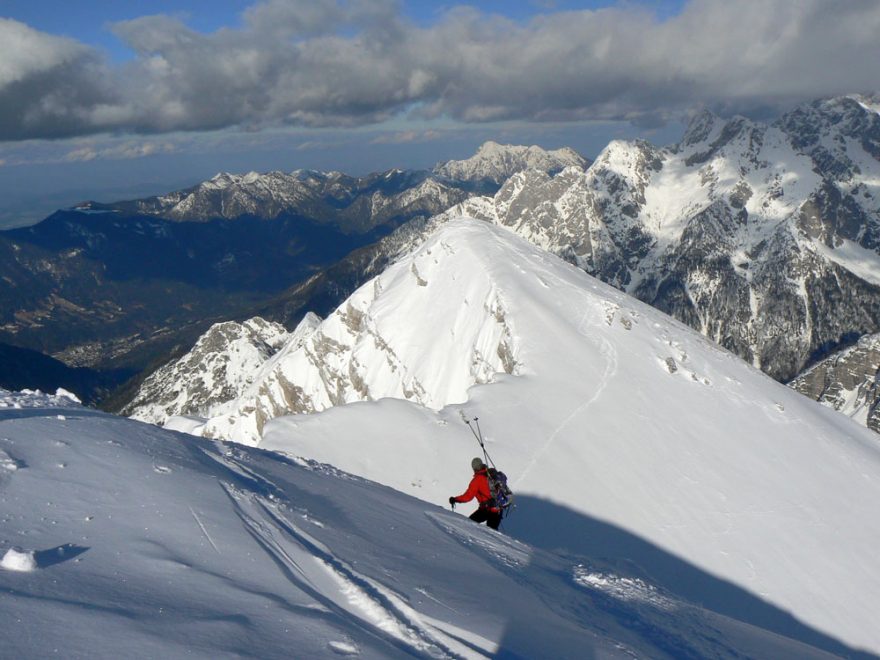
219,368
766,238
848,381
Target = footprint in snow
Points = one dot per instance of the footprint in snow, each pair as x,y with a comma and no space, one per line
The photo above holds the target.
7,463
162,469
8,466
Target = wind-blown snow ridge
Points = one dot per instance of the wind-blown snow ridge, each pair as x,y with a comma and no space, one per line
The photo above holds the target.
141,542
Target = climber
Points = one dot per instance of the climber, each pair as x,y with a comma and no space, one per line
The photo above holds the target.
488,511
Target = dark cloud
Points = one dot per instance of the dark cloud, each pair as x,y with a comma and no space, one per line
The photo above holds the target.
50,86
336,63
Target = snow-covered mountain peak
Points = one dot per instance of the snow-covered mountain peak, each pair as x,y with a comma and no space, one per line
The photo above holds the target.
222,180
701,128
497,162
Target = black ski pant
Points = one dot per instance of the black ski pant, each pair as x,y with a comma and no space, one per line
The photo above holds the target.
491,518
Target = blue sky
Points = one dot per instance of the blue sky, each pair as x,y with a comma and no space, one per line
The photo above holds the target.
105,100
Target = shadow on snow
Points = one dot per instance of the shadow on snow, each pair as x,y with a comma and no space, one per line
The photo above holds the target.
552,527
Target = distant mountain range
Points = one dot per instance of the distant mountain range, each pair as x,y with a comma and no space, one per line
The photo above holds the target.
766,238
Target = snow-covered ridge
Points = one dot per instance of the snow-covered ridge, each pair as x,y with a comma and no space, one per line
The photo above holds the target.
383,341
496,162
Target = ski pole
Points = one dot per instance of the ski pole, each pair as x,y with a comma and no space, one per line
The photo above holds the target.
478,434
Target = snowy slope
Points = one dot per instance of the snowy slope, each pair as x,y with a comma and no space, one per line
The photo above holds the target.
120,539
614,411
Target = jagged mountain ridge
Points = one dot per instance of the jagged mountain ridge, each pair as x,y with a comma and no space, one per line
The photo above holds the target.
848,381
766,238
354,204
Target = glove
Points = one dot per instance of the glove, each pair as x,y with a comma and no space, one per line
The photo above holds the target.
452,502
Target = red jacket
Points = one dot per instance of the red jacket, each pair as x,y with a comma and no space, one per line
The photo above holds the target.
479,488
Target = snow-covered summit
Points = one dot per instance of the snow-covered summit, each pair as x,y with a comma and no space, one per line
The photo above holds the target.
425,330
495,162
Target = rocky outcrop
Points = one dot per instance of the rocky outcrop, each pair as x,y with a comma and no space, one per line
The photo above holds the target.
848,381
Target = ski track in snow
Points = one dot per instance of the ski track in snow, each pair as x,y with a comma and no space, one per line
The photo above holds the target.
365,603
606,348
204,531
